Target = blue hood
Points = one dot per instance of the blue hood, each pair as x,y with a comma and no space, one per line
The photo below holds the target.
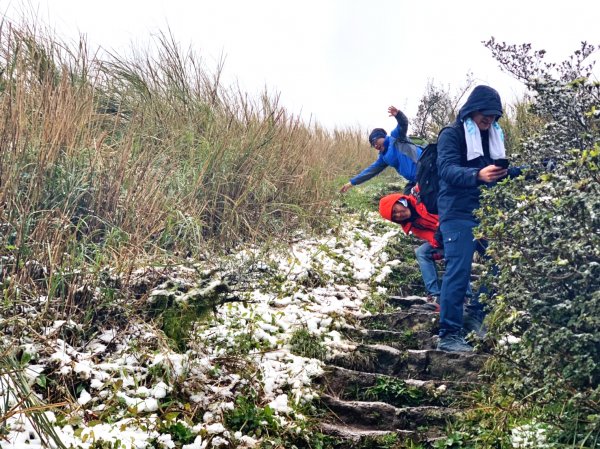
483,98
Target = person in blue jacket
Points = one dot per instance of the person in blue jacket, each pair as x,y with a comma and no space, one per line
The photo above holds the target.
467,151
395,150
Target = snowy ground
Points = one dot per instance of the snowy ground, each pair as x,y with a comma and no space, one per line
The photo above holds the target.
130,388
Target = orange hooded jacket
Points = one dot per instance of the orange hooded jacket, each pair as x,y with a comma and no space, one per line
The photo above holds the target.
423,226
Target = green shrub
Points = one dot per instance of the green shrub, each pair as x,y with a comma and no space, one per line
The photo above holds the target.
544,230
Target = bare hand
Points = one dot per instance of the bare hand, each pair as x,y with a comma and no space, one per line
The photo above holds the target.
491,173
345,187
392,110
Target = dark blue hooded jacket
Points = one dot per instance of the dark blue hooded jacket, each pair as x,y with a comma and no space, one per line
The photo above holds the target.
459,187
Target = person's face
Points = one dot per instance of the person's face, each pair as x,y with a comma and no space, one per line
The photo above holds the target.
483,122
379,144
400,213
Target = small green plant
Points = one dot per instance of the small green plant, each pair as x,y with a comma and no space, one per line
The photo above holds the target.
377,303
314,277
244,343
332,254
250,418
103,444
454,440
180,433
405,277
393,391
389,441
178,317
306,344
408,339
363,238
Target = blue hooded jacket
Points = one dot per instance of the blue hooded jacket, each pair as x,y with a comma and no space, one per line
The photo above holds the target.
398,152
459,187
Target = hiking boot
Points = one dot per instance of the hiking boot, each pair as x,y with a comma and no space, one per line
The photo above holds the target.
473,322
453,343
429,306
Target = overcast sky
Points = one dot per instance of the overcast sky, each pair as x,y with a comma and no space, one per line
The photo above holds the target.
341,62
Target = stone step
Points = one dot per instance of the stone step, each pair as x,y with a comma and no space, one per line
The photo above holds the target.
401,321
358,437
382,416
408,339
422,364
351,437
401,340
348,384
406,302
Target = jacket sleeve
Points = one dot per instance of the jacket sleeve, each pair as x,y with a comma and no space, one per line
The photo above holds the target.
372,170
399,132
449,161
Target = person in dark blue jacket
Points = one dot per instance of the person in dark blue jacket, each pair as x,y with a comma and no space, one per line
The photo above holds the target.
466,154
395,150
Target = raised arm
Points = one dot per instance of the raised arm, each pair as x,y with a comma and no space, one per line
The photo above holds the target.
402,128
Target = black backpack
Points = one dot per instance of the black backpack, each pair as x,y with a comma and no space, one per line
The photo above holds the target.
427,177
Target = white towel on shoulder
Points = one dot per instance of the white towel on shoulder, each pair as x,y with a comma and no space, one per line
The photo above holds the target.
473,137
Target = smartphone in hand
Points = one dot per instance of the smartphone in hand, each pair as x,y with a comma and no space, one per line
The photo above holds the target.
502,163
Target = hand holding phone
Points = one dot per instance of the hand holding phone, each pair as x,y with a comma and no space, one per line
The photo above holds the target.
502,163
493,172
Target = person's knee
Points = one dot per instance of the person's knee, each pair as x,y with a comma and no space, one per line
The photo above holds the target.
418,251
421,252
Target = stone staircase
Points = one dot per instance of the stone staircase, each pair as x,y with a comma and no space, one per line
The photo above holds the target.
395,389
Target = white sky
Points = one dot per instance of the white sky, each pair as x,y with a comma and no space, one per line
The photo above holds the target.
341,62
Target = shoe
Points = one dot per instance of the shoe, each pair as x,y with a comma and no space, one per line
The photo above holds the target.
473,322
453,343
429,306
433,299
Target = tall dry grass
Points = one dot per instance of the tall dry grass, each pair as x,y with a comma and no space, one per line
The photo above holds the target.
107,159
109,162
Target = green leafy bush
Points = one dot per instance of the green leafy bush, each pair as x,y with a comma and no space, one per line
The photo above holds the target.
544,231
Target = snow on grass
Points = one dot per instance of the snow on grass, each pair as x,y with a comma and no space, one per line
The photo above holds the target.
128,378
